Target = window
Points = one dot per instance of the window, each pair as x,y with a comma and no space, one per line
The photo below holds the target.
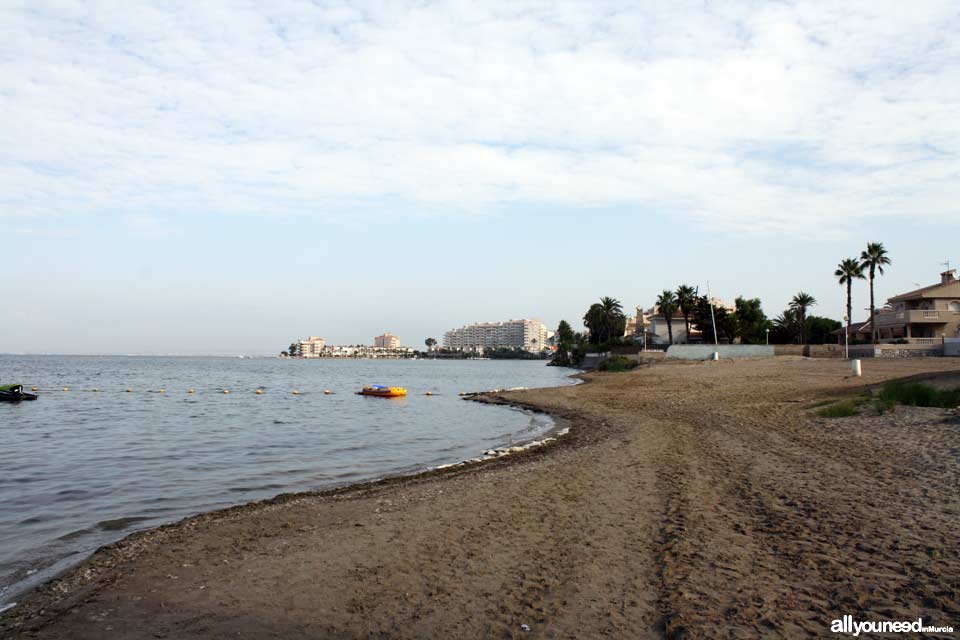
954,306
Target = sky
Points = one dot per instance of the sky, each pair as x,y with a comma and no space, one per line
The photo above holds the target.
222,178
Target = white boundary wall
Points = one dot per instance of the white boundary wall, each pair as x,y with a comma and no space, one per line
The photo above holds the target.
705,351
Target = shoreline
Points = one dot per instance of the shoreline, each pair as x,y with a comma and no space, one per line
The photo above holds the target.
696,499
560,427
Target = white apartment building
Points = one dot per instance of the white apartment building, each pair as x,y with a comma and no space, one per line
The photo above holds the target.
387,341
529,334
311,347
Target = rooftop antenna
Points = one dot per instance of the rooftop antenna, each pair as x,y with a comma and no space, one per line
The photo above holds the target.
946,263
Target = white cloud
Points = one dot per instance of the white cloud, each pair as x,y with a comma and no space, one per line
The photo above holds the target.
749,116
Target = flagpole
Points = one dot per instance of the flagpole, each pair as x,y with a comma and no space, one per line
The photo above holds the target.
713,319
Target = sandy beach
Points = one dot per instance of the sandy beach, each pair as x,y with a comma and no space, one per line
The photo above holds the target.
702,500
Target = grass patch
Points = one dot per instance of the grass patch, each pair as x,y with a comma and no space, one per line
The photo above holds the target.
822,403
840,410
916,394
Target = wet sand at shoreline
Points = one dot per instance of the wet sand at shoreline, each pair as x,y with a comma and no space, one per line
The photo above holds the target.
688,500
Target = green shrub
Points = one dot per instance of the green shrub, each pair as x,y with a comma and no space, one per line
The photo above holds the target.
839,410
616,364
917,394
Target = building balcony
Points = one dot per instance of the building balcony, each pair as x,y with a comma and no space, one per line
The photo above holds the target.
917,316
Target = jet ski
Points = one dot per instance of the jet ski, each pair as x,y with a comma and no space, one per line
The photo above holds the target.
14,393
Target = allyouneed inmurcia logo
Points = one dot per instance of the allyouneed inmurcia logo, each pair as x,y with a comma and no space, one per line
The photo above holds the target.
852,627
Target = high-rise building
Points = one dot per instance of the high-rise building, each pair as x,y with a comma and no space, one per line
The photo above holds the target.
529,334
311,347
387,341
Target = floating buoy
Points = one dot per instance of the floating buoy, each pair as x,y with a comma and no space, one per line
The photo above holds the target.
326,392
296,392
190,391
428,393
33,389
163,390
66,388
129,390
95,390
259,391
226,391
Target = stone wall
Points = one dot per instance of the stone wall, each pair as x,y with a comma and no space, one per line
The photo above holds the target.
705,351
909,351
813,350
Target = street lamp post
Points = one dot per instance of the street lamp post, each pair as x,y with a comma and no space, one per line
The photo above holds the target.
846,338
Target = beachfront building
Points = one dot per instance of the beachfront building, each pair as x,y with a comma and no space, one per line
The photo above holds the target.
315,347
655,324
387,341
366,351
659,329
528,334
859,332
924,315
310,347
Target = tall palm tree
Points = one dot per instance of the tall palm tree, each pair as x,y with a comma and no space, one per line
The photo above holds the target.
612,311
686,300
800,303
873,257
848,271
667,302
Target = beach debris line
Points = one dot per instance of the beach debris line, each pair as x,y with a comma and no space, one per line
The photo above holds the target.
500,452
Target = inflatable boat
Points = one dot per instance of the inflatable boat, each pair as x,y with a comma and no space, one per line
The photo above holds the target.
380,391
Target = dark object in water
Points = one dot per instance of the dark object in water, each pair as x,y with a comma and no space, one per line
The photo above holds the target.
14,393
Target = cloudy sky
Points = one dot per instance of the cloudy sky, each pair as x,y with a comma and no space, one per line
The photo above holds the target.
214,177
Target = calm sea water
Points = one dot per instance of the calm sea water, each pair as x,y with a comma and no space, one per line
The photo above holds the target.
83,468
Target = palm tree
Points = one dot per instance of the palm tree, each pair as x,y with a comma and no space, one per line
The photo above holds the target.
848,271
800,303
686,300
430,342
611,312
786,324
667,302
874,257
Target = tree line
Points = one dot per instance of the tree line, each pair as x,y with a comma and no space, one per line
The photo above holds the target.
605,321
